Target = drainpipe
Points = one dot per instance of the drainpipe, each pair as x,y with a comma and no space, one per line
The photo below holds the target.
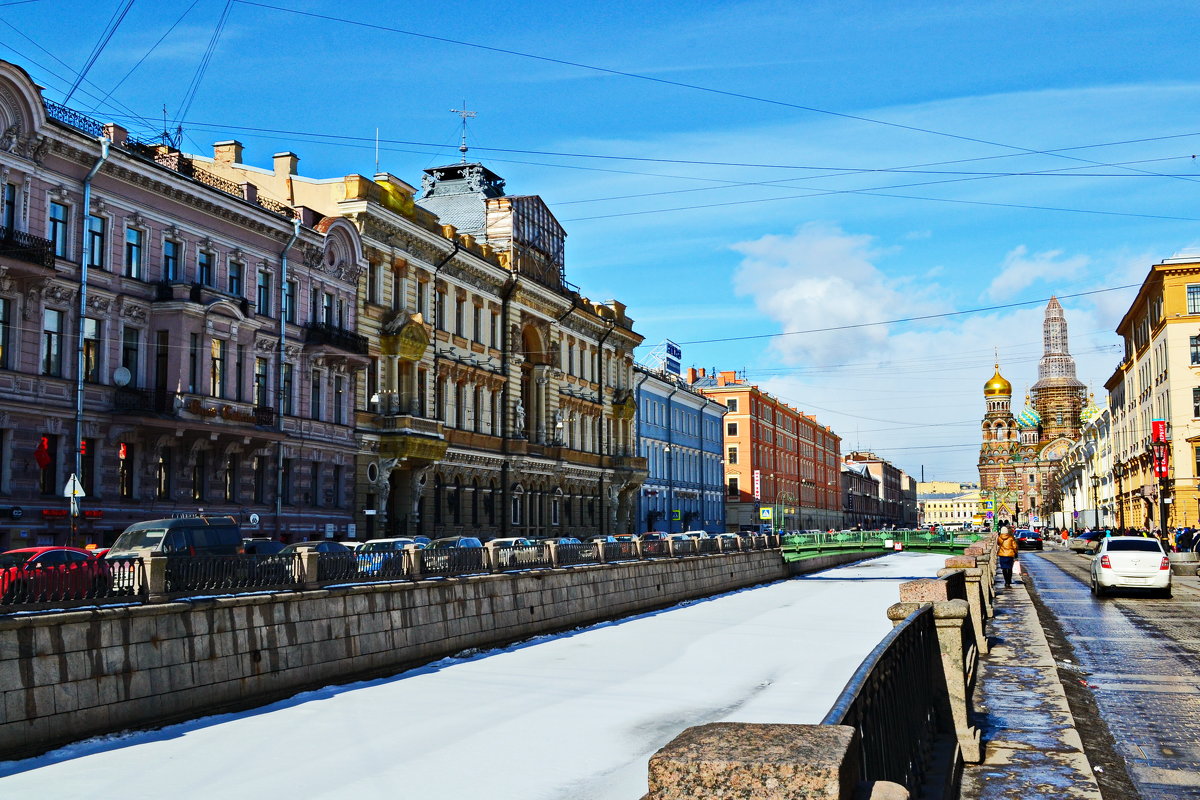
637,428
283,273
83,284
670,466
505,494
600,374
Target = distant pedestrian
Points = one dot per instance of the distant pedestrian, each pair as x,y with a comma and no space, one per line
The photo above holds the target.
1065,535
1007,553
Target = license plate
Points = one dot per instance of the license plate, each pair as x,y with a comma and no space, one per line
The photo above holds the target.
1137,581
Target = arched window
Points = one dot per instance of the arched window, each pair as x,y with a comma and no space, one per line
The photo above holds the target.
455,502
439,499
475,500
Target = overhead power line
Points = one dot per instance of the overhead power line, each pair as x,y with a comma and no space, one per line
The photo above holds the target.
106,35
911,319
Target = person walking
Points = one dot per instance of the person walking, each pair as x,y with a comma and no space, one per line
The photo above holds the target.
1007,553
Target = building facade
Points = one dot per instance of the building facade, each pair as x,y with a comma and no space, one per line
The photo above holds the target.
895,489
777,459
148,344
860,498
1158,379
679,433
497,400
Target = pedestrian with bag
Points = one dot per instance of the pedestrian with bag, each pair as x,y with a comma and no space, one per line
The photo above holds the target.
1007,553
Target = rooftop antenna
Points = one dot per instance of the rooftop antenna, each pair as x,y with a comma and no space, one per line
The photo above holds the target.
465,114
376,149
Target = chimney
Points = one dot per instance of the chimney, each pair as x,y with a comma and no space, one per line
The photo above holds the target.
285,163
702,372
691,375
726,378
228,152
116,134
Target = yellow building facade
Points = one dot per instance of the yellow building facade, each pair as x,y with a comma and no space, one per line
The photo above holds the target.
1158,378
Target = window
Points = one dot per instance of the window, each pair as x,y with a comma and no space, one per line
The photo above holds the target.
285,496
477,324
231,476
130,347
95,241
263,297
260,381
423,300
52,331
1193,298
10,207
733,488
170,260
133,253
125,469
339,400
459,316
731,403
1196,402
259,465
289,302
5,330
199,475
337,486
193,362
234,279
495,341
327,308
287,389
732,456
314,481
58,228
48,477
373,282
216,376
239,373
162,474
440,311
1194,348
87,466
314,402
731,429
204,268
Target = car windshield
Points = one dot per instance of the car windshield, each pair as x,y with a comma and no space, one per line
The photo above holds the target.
1141,545
148,537
8,560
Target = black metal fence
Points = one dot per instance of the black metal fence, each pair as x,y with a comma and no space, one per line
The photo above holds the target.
111,580
898,702
81,583
226,573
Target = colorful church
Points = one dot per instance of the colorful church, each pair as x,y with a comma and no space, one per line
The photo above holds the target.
1019,455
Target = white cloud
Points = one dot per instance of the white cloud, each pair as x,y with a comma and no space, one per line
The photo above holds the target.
1021,270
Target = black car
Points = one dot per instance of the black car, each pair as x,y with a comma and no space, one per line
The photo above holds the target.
1028,540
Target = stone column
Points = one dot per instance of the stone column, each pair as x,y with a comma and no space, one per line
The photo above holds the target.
154,577
975,595
541,381
309,559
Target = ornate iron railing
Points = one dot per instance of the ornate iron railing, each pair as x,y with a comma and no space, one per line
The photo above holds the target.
324,333
225,573
571,554
522,557
71,117
451,560
276,207
80,583
898,702
26,247
216,181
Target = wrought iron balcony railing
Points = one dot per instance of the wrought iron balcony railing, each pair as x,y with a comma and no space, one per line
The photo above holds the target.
26,247
321,333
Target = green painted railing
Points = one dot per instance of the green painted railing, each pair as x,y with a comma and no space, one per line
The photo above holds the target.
806,545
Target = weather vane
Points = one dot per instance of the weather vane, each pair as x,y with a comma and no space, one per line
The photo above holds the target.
465,114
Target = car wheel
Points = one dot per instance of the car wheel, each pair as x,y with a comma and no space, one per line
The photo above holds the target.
1165,594
1101,591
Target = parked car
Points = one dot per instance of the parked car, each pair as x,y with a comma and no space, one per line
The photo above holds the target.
1131,562
518,552
1028,540
46,574
192,536
352,546
261,547
320,545
453,554
1085,542
384,557
568,539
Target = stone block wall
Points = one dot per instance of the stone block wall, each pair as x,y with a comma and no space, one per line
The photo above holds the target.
71,675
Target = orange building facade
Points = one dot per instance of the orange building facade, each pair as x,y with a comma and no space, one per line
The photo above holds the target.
782,467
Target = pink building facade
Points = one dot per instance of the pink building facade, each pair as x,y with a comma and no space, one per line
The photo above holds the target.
163,367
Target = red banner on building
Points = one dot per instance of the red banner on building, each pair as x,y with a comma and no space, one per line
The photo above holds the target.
1158,430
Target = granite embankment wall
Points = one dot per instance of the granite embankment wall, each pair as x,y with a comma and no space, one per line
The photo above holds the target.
70,675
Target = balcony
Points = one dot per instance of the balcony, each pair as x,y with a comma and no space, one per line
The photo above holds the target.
18,246
140,402
411,438
320,335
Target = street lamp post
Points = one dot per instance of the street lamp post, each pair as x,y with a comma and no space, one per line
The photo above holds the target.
1095,480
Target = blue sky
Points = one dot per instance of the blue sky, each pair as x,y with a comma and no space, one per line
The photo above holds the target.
779,243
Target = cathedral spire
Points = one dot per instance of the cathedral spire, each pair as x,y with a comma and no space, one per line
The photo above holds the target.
1057,367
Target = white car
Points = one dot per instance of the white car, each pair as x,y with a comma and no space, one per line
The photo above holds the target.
1131,562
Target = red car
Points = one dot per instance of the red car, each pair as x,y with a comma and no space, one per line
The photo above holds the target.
49,574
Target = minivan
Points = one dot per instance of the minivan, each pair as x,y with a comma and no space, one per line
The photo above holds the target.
191,536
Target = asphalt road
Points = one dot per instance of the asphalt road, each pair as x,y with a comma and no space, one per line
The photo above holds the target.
1139,658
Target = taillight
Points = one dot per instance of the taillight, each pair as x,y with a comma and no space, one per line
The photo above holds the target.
1166,563
1105,563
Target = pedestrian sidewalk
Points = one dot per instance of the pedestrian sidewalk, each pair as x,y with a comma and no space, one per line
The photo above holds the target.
1032,748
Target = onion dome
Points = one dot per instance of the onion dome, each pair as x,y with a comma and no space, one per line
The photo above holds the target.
1029,418
997,386
1090,411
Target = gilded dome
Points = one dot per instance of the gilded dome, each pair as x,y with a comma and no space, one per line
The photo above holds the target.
997,386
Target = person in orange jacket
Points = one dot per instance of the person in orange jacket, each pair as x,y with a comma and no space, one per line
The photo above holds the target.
1007,552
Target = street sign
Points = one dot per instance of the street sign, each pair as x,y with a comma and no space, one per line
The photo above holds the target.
1035,520
254,519
989,515
73,487
675,515
766,513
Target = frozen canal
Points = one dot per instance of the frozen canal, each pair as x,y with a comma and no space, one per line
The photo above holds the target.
573,716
